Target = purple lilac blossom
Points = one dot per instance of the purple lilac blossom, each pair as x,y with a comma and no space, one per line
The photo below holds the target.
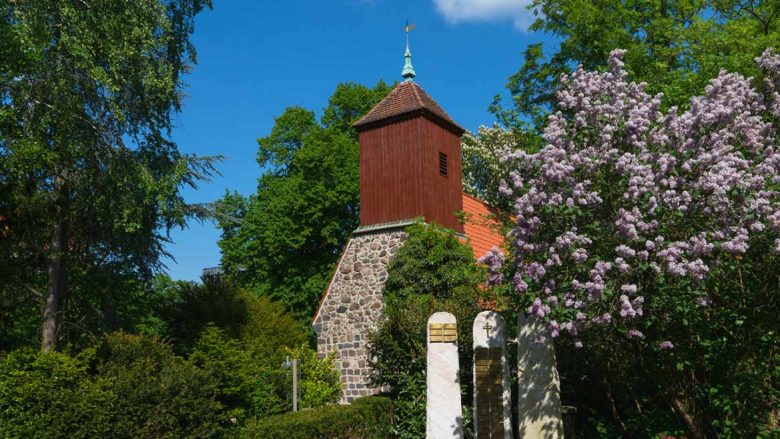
692,189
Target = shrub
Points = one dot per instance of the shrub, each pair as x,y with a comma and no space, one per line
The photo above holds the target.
251,383
158,394
320,381
251,379
432,272
366,418
653,235
190,308
50,395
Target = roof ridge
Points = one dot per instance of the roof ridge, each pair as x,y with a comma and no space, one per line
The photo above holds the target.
415,88
407,99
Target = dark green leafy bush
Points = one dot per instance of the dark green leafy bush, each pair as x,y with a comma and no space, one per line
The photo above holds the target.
159,394
250,384
247,360
366,418
51,395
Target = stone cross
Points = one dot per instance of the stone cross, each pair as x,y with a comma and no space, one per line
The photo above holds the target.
444,417
538,388
492,398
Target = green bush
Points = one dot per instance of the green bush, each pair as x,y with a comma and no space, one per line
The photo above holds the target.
190,308
366,418
158,394
51,395
249,369
320,381
432,272
251,383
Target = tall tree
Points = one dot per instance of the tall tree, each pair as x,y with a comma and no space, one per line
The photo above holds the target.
89,175
284,240
676,46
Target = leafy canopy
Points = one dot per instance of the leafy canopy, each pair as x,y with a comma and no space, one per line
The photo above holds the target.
89,176
284,240
674,46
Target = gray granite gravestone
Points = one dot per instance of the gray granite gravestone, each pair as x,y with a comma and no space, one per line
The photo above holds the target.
444,417
538,396
492,398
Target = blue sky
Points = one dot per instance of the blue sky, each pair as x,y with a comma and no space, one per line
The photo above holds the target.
255,58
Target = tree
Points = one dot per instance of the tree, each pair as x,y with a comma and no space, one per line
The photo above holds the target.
482,169
675,46
90,178
658,231
284,240
432,272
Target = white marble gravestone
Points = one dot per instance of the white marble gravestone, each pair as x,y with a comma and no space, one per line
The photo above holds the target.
444,417
492,398
538,396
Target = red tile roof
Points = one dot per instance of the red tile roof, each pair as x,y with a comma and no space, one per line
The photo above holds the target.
406,99
482,226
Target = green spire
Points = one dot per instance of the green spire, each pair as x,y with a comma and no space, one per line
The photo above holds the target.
408,71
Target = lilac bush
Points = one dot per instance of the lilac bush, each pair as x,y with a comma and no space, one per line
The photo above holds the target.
626,195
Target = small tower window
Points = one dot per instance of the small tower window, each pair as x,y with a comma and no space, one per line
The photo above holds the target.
443,164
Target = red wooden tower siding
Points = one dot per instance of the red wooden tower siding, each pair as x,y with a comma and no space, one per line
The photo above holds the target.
410,164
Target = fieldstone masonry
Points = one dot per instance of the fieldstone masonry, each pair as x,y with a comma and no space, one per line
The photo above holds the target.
352,306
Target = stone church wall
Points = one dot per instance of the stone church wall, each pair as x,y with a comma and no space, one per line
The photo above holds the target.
352,306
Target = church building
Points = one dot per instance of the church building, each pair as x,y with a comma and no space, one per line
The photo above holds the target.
410,167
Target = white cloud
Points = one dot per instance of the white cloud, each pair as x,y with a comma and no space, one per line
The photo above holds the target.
457,11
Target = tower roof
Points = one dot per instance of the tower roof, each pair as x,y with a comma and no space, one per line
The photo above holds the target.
406,100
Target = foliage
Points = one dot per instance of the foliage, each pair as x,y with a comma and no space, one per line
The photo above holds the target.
90,178
676,47
249,384
432,262
51,395
320,381
432,272
242,341
368,417
655,228
481,154
159,395
190,307
283,241
126,386
252,381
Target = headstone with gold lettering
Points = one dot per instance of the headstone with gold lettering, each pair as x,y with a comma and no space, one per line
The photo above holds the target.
492,398
444,417
538,396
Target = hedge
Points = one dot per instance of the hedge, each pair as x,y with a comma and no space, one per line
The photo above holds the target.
367,418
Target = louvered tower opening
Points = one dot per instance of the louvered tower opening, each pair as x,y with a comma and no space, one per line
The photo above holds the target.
443,170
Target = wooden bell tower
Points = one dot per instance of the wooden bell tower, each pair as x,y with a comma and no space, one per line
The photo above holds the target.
410,163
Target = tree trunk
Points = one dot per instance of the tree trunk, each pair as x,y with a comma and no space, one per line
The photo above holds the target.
690,422
56,288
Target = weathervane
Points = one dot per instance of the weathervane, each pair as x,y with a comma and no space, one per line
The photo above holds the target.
408,71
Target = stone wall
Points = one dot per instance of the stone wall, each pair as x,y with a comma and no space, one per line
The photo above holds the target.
352,306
